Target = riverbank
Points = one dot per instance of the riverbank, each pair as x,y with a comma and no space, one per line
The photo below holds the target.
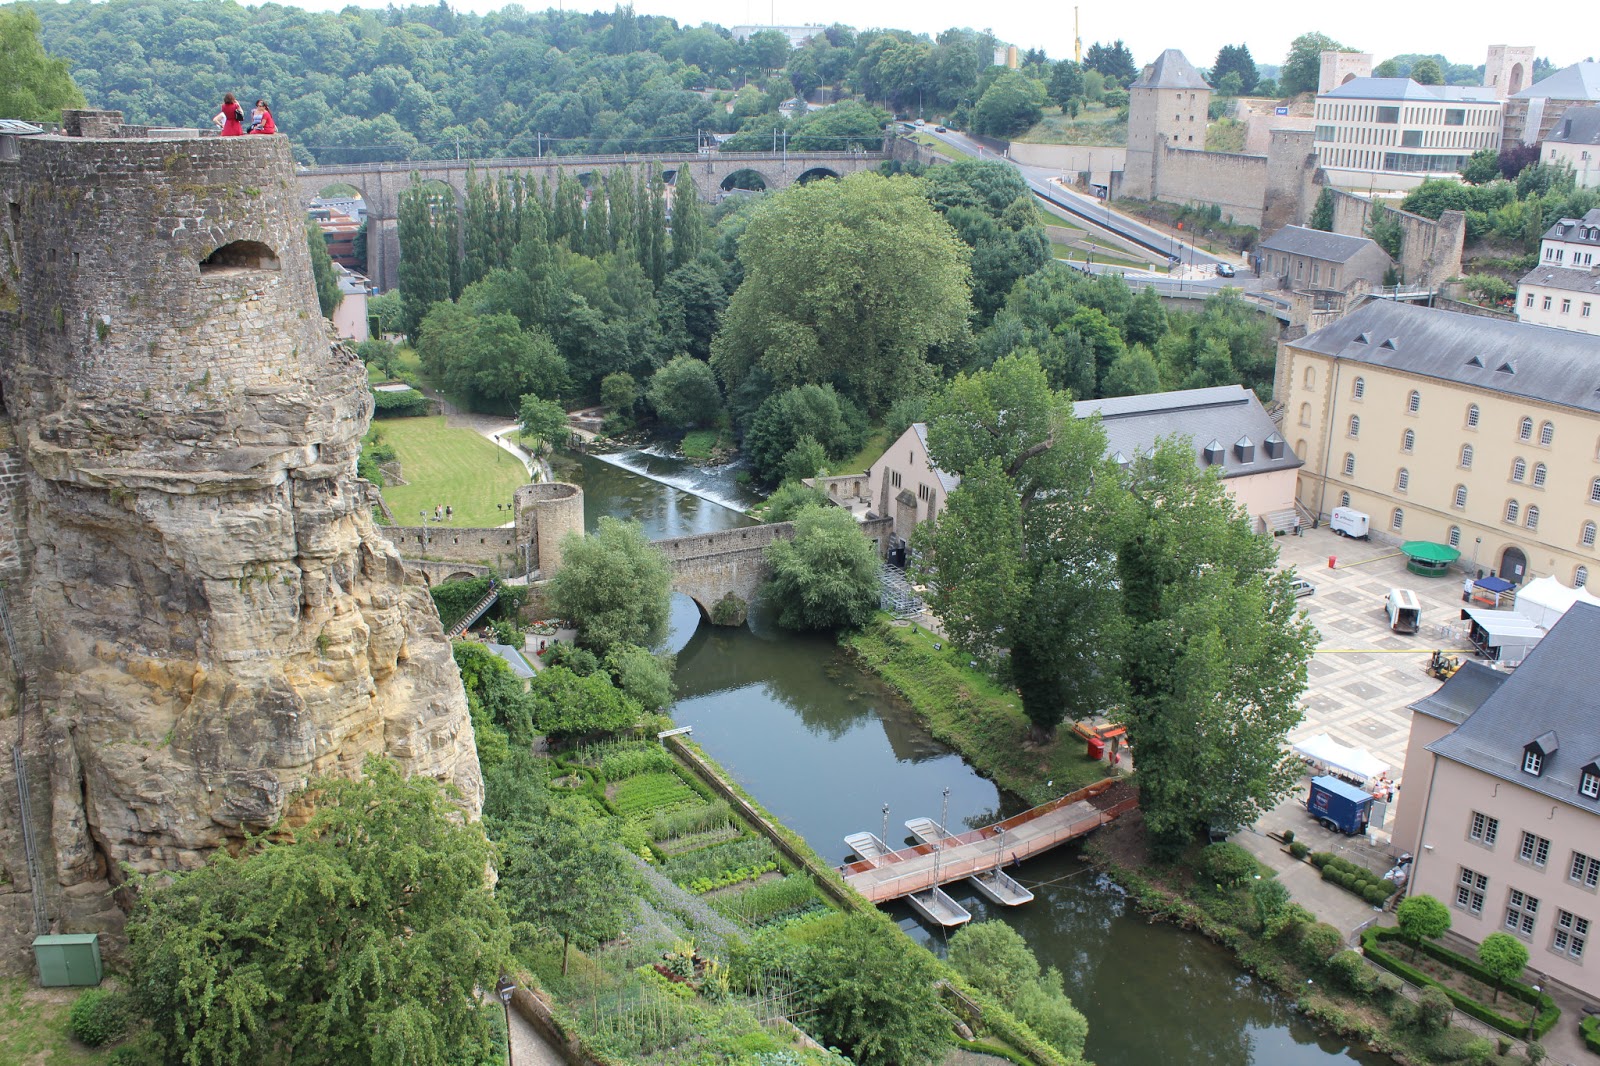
1285,946
966,709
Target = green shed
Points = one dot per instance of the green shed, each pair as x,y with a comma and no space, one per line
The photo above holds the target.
68,959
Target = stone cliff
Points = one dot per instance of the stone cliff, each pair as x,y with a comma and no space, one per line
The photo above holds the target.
200,614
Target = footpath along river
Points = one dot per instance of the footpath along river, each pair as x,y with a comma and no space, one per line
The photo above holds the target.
824,746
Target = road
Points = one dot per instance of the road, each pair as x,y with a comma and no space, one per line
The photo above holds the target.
1094,215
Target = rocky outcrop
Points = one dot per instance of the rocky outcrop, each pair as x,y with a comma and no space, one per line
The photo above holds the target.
208,616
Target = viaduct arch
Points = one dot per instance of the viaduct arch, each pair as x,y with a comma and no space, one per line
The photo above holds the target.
380,184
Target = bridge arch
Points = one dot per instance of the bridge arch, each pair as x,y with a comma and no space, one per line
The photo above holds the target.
816,173
747,179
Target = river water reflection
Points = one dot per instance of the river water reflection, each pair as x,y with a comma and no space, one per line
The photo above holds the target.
824,746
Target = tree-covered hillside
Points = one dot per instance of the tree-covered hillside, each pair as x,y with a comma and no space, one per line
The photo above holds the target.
426,82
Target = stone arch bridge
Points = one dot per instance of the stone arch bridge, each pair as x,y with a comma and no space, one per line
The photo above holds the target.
380,184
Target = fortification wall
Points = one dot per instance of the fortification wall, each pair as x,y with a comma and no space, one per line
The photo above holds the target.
1292,182
495,548
1070,159
546,515
1237,183
1430,251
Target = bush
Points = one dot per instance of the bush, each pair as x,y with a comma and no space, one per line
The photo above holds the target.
1591,1033
1288,837
1376,895
1319,942
1320,859
1299,849
99,1016
1374,942
1433,1010
408,404
1351,970
1227,863
1457,1045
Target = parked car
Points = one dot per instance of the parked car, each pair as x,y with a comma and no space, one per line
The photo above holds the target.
1302,588
940,129
1224,270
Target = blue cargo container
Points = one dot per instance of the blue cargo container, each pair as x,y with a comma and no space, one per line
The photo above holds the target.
1342,807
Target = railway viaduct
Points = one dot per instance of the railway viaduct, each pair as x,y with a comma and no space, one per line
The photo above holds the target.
380,184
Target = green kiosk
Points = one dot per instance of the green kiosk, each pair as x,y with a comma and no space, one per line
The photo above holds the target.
1428,559
67,959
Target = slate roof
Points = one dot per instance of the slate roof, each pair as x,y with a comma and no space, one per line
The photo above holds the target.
1581,81
1171,70
1577,125
949,481
1462,693
1406,89
1317,244
1220,418
1570,230
1550,698
1564,278
1556,366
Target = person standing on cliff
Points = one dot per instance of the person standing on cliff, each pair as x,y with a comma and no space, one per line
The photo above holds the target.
261,119
230,120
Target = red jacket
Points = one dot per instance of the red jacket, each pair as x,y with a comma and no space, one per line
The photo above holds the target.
232,120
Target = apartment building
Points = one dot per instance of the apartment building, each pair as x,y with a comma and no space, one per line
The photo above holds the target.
1574,142
1391,133
1501,805
1474,432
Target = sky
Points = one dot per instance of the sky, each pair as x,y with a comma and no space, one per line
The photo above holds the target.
1461,30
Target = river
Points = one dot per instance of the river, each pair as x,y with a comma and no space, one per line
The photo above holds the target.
825,746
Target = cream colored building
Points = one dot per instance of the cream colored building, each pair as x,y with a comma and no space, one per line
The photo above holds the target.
1561,297
1474,432
905,485
1501,804
1574,142
1391,133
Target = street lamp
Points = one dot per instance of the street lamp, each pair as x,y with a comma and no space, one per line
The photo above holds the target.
885,824
503,989
1477,542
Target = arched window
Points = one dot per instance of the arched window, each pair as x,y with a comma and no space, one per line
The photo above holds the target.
1408,441
1547,434
1414,401
1594,491
1311,377
1344,499
1513,509
1532,520
1540,473
1588,535
1461,496
1305,414
1402,480
1525,429
1466,457
1358,388
1472,416
1397,520
1300,447
1519,469
1580,577
1455,536
1355,425
1349,464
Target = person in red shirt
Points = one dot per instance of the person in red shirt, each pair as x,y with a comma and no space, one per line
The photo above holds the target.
230,120
263,119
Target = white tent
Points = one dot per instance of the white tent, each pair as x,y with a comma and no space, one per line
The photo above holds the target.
1547,599
1352,762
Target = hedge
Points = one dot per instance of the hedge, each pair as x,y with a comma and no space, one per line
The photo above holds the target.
1549,1013
407,404
1590,1028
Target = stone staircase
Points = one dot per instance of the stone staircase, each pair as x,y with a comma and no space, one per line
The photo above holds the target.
477,612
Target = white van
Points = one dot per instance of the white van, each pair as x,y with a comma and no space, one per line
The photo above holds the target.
1349,522
1405,613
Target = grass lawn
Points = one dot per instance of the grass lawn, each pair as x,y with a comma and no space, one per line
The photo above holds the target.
858,463
1096,125
456,467
33,1026
967,710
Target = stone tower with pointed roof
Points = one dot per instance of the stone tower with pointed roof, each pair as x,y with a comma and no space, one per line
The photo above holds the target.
1166,105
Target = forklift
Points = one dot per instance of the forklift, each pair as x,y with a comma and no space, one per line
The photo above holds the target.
1442,666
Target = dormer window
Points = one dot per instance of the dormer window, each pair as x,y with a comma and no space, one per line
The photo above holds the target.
1589,782
1538,752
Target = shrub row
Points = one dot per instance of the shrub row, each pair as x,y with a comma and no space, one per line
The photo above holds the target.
1591,1032
708,863
1353,878
1373,939
408,404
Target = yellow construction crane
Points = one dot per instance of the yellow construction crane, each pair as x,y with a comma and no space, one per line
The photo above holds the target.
1077,42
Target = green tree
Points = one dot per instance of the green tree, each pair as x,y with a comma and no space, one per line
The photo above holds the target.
790,499
542,420
1504,957
1013,103
1235,59
1322,213
1066,83
1488,288
827,576
692,301
1303,67
427,226
850,281
1215,654
564,704
619,391
489,360
34,85
1482,167
1422,917
1427,72
362,937
614,584
991,209
563,877
684,393
995,958
805,460
1021,530
871,993
322,273
642,676
1133,373
689,228
1114,61
783,418
1387,69
1385,229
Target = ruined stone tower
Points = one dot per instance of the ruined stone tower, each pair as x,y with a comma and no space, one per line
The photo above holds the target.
199,612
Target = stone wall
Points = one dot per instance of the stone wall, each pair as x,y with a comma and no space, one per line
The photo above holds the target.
205,616
1293,182
495,547
1070,159
1237,183
1430,253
